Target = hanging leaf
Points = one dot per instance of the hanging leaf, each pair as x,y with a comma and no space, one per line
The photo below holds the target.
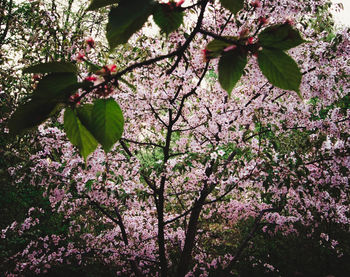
233,6
125,19
52,89
217,45
107,122
84,113
52,67
56,86
281,36
280,69
168,17
231,66
96,4
30,114
78,135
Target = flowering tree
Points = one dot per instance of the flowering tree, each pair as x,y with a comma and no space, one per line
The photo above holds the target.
237,110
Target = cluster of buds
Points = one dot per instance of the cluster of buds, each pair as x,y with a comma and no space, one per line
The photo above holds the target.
263,20
105,90
289,21
178,4
171,5
35,79
243,33
80,57
250,40
74,98
206,55
230,47
256,4
91,79
106,70
90,42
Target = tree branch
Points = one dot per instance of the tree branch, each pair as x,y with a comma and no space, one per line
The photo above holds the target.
249,237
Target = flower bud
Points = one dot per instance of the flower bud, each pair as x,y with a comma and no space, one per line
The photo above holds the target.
263,20
256,4
90,42
80,57
230,47
178,4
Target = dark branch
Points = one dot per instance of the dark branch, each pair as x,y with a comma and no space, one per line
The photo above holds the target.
249,237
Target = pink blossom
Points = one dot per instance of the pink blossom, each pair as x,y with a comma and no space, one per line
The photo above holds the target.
90,42
229,48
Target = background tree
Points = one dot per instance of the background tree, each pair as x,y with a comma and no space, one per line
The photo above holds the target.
200,166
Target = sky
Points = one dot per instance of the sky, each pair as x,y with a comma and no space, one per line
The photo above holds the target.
342,17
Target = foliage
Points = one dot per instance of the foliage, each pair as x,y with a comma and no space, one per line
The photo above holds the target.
157,157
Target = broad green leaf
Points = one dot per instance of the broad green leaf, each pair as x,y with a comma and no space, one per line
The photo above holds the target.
231,66
233,6
84,85
126,19
107,122
30,115
167,19
52,67
280,69
57,86
78,135
217,45
84,113
96,4
71,89
281,36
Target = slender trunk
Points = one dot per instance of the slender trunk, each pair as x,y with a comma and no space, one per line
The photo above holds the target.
161,239
186,255
160,202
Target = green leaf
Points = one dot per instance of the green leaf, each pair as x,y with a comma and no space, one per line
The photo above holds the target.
84,113
233,6
30,115
168,19
281,36
280,69
231,66
107,122
125,19
57,86
52,67
64,95
131,86
96,4
78,135
89,184
217,45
